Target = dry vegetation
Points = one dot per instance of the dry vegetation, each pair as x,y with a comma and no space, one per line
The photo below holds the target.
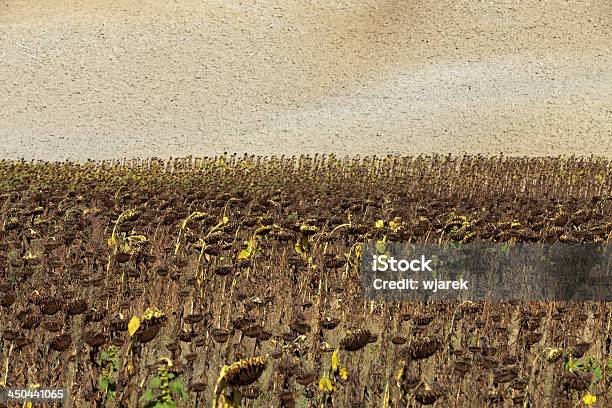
235,280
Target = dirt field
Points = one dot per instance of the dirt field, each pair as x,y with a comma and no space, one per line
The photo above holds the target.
88,79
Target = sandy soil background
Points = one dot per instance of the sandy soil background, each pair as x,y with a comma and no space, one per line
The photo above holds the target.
122,78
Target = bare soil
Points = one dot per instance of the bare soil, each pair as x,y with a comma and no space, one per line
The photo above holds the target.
88,79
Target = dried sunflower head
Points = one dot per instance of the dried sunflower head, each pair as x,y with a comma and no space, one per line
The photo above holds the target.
244,372
356,339
421,348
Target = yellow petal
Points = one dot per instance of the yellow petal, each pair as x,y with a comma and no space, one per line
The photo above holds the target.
247,252
358,251
325,384
589,399
335,362
133,325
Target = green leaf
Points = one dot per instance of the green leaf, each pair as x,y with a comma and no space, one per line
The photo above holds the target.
104,356
103,383
115,364
598,373
155,382
110,395
177,386
147,396
573,365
